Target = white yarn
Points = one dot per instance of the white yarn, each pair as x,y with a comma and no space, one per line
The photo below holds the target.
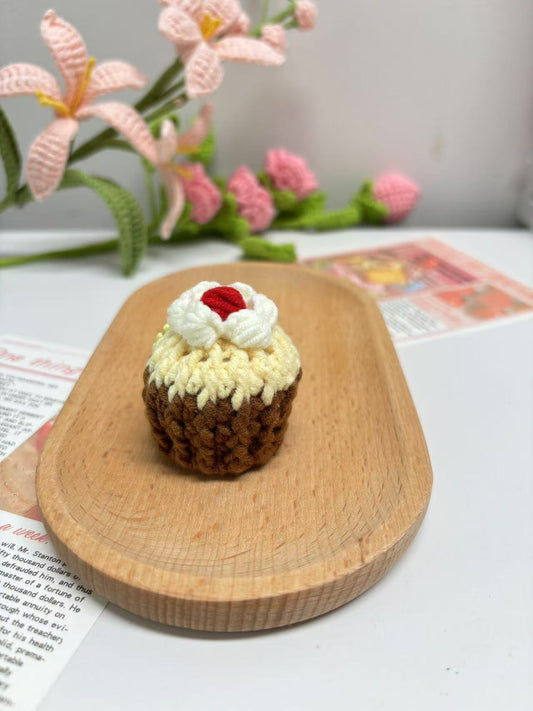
201,327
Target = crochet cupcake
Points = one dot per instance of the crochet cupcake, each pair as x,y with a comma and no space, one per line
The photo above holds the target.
220,382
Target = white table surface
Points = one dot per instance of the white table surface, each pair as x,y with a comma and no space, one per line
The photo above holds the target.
450,627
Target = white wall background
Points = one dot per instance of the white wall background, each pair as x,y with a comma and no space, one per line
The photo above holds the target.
440,89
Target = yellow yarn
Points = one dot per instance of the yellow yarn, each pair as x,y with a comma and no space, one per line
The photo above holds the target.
224,369
83,84
60,107
209,25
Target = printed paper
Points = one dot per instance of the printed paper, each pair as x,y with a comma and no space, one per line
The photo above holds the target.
425,288
45,610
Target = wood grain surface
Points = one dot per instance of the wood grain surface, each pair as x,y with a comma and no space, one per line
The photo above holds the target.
319,524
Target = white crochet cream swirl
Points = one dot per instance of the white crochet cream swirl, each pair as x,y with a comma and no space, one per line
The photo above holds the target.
200,326
224,369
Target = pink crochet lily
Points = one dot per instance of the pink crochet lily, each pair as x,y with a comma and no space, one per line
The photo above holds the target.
207,33
84,82
184,181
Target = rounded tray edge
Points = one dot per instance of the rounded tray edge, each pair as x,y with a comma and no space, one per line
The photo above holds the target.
246,614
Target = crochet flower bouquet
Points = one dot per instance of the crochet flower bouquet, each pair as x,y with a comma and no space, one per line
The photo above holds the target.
184,201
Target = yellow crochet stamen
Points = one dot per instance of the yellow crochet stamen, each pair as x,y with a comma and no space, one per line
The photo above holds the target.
209,26
186,150
59,106
83,84
182,171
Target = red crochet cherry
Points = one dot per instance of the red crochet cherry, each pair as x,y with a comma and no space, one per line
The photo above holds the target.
223,300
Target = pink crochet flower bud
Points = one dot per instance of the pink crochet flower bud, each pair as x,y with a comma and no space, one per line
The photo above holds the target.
242,25
275,36
306,14
201,192
397,193
253,200
290,172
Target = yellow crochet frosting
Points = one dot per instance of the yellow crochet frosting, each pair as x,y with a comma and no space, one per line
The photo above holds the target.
224,369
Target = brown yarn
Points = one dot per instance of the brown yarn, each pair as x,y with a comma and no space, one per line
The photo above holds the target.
217,439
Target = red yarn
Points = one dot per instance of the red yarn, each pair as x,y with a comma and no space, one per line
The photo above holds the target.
223,300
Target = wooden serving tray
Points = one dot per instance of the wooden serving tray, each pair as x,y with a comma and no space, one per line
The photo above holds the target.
324,520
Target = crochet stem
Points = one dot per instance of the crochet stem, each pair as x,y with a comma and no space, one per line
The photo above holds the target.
259,248
153,95
171,90
22,196
120,145
253,248
86,250
331,220
283,15
274,20
167,108
92,145
150,189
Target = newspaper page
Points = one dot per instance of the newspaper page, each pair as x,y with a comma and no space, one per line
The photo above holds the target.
425,288
45,610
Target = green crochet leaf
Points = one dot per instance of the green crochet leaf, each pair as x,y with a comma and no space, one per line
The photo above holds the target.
185,228
228,223
263,178
239,230
306,215
337,219
285,200
287,203
185,217
330,220
229,205
373,212
205,152
126,210
10,153
258,248
155,126
312,205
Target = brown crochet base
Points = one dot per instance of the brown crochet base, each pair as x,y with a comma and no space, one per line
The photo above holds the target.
217,439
